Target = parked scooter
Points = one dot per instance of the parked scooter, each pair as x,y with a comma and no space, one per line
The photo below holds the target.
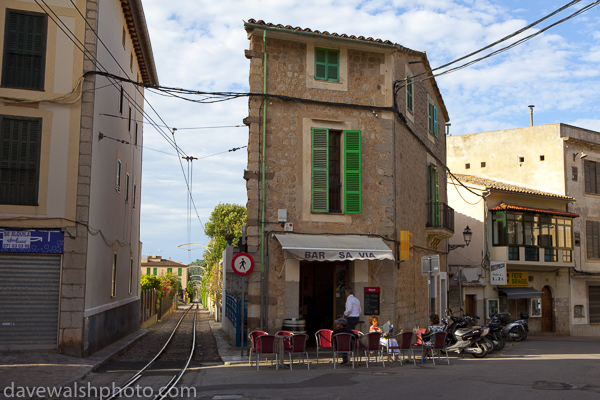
517,330
460,338
496,324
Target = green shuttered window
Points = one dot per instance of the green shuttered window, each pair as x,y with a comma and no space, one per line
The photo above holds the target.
20,143
592,239
327,64
325,185
434,196
409,93
352,172
24,50
433,119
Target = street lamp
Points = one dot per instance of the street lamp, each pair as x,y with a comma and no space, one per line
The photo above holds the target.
467,234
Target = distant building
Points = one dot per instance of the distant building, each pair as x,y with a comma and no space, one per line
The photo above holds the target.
157,266
71,170
347,151
559,159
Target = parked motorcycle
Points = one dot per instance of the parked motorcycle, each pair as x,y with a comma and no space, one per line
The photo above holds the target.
517,330
495,324
461,338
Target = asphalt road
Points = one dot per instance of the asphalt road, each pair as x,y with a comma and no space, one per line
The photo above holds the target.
538,368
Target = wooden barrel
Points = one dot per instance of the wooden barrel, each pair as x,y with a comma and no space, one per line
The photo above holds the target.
294,325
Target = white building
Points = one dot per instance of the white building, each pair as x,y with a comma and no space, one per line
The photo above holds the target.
71,163
559,159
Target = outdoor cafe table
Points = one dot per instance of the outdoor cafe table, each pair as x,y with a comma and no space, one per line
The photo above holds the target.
280,348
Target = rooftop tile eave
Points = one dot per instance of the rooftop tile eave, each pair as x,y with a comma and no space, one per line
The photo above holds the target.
508,187
510,207
260,24
136,23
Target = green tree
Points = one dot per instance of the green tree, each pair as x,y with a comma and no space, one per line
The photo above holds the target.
226,222
191,290
150,282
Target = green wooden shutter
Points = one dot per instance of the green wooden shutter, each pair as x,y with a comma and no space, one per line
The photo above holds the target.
435,122
409,93
154,271
352,173
320,170
430,117
320,64
24,51
333,62
434,196
19,160
148,271
179,271
169,270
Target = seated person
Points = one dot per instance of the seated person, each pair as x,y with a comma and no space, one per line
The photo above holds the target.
387,342
431,329
341,326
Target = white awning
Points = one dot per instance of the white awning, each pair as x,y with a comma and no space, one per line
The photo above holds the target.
334,247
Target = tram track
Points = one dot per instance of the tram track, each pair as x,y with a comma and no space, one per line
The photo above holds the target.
165,388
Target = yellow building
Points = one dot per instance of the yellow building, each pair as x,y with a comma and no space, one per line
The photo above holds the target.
71,161
157,266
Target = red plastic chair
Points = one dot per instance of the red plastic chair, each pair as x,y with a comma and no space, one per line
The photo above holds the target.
404,341
373,345
420,344
287,342
267,347
299,348
439,346
344,343
254,343
323,337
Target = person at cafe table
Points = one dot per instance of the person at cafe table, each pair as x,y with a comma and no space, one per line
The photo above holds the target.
341,326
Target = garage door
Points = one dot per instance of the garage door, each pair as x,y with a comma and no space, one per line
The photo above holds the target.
29,298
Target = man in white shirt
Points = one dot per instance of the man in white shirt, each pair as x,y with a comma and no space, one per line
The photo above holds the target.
353,309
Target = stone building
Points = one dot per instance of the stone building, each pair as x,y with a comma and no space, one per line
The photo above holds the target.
562,160
346,150
71,172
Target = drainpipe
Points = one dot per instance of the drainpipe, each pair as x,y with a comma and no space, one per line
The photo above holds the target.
264,149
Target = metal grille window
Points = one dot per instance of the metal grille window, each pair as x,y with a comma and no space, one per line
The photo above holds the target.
532,254
513,252
20,143
24,50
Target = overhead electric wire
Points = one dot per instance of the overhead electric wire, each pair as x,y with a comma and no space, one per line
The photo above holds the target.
518,42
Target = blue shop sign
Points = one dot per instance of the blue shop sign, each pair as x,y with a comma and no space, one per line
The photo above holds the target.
32,241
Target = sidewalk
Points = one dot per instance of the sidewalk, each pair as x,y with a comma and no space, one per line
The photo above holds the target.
47,370
227,351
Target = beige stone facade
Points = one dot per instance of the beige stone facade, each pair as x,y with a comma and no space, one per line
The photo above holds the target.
558,159
95,266
397,154
157,266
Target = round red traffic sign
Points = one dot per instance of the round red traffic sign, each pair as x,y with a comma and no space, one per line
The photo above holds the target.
242,264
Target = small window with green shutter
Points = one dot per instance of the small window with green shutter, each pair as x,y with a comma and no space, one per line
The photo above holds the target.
148,271
24,50
434,197
154,271
327,64
328,182
20,148
433,120
409,93
179,271
169,271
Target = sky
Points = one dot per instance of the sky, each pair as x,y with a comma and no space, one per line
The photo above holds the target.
199,45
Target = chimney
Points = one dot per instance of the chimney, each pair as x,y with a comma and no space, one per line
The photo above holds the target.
531,115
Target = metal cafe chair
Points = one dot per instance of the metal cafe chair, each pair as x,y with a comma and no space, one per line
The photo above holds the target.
267,347
298,348
324,341
373,346
254,343
439,346
404,343
344,343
